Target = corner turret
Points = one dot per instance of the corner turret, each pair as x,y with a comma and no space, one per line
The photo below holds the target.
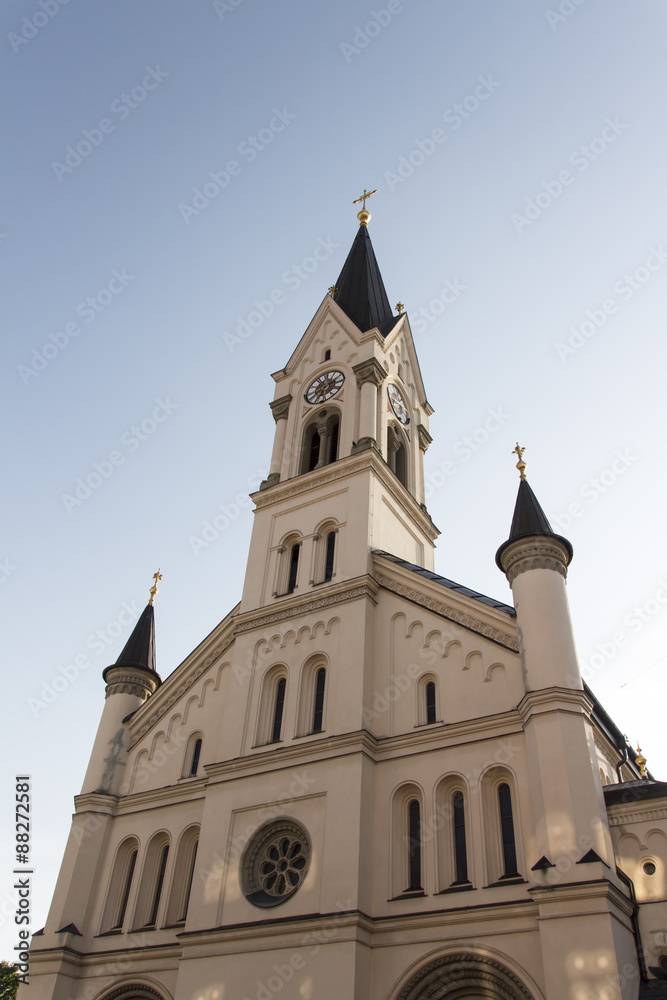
130,681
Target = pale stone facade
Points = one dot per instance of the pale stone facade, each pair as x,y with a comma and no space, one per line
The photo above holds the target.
367,782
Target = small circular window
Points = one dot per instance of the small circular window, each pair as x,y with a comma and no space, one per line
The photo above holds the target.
275,863
649,868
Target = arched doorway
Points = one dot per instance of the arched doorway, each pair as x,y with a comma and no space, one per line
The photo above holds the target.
464,977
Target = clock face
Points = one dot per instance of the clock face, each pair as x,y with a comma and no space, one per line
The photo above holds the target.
397,404
324,387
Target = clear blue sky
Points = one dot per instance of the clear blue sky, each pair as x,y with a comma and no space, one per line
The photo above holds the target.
168,165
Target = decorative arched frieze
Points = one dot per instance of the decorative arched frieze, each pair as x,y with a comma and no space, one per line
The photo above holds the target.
461,975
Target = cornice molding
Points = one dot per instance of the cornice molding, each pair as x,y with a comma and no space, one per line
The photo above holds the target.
369,459
535,552
280,407
627,812
369,371
450,613
305,604
555,699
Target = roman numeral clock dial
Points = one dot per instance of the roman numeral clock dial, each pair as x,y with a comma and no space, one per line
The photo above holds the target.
324,387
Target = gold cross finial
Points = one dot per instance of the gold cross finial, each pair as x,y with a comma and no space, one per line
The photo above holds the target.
364,215
400,308
332,291
156,576
521,465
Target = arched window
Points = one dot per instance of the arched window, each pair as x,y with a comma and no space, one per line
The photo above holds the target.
318,711
427,700
127,885
184,869
452,842
324,552
196,753
406,840
192,756
321,440
293,568
272,705
287,565
397,454
430,702
312,696
278,709
157,893
460,854
414,846
152,881
502,828
120,885
507,831
329,556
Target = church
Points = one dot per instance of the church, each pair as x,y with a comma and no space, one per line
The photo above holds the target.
368,782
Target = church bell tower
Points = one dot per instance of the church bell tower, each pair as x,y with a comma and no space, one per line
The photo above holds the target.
347,467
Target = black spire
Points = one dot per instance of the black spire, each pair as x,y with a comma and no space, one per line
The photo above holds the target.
360,290
529,520
139,650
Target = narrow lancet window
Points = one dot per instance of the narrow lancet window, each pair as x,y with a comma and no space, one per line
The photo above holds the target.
318,712
507,830
430,703
293,568
126,891
329,559
188,887
158,886
278,710
414,846
460,838
196,753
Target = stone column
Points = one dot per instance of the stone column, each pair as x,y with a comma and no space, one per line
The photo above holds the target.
280,410
370,374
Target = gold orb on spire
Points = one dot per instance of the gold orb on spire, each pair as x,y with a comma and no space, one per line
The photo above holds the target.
156,576
640,761
364,215
521,465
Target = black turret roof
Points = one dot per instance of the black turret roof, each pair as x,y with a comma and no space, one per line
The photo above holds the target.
529,520
139,650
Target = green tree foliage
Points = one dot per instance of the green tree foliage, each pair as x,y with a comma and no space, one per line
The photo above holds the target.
9,981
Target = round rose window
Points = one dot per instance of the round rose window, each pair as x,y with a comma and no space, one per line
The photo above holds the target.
275,863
